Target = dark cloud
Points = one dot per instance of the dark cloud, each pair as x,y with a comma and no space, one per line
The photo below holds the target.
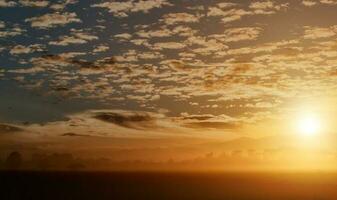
74,135
128,120
199,117
208,121
81,64
212,125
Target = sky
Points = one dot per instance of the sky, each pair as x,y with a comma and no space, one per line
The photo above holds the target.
98,77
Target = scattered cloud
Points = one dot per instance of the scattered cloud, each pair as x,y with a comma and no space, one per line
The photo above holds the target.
168,45
76,37
5,129
233,12
174,18
209,121
34,3
226,63
132,120
10,31
309,3
52,20
2,24
319,32
101,48
122,9
267,7
20,49
6,3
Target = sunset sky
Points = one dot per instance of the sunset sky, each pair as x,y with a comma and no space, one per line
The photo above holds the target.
165,79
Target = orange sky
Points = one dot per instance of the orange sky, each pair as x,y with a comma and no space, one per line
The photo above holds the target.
162,79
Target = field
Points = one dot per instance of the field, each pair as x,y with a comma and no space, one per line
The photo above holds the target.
168,185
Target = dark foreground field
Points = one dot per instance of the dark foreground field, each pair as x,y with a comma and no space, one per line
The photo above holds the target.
161,186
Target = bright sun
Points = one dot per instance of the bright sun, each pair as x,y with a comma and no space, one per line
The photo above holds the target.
309,125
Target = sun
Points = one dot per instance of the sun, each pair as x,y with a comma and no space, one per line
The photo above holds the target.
309,125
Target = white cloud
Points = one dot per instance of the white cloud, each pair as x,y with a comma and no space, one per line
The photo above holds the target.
2,24
309,3
329,2
174,18
76,37
11,32
53,19
6,3
238,34
101,48
62,5
125,36
319,32
122,9
34,3
255,8
168,45
267,7
20,49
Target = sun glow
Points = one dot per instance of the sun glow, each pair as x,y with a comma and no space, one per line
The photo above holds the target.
309,125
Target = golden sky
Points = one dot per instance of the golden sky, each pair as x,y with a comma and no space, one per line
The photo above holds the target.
174,79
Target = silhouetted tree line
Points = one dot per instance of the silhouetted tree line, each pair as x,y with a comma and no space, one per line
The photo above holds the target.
55,161
13,161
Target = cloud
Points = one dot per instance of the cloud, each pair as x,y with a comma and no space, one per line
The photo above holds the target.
319,32
134,56
10,31
226,5
153,59
2,24
110,123
80,64
228,15
50,63
183,31
231,14
329,2
20,49
61,5
76,37
174,18
267,7
211,125
168,45
34,3
128,120
238,34
208,121
52,20
6,3
122,9
179,65
101,48
309,3
69,134
125,36
5,129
